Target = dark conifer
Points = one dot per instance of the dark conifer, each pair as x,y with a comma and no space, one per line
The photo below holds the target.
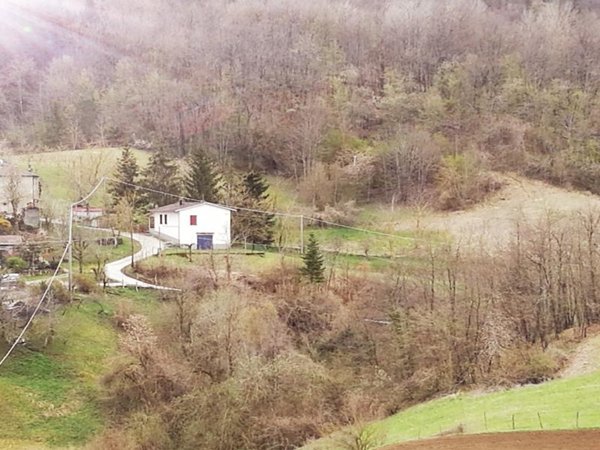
202,181
314,268
125,176
161,174
251,226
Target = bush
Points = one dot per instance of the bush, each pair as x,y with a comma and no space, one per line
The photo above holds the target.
359,437
16,263
112,439
58,292
461,182
531,366
84,283
344,214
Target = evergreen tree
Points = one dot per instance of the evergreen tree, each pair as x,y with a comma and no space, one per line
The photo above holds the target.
161,174
313,268
254,227
127,172
202,181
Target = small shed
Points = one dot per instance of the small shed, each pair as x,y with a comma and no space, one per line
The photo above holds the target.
203,225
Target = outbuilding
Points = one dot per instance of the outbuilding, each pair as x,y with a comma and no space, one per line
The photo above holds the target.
202,225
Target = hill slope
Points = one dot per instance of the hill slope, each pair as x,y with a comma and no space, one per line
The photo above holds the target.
52,398
494,221
568,403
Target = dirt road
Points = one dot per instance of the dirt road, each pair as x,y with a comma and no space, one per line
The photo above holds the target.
537,440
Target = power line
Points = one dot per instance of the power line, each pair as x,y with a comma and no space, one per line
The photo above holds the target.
69,249
272,213
36,310
182,197
70,245
364,230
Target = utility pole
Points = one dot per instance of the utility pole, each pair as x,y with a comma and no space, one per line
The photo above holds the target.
70,244
302,234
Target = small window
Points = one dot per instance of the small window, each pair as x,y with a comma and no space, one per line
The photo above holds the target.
166,218
160,219
193,220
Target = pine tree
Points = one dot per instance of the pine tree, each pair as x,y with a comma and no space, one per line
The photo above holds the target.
127,172
313,268
202,181
161,174
254,227
256,186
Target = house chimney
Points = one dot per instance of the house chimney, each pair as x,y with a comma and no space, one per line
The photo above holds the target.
180,202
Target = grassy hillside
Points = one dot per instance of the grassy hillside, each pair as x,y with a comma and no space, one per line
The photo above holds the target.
51,398
562,404
57,169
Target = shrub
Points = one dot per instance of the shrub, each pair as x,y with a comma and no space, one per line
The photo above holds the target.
112,439
359,437
16,263
307,312
58,292
84,283
344,214
461,182
531,365
150,431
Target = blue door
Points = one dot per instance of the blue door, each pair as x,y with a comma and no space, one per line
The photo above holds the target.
204,241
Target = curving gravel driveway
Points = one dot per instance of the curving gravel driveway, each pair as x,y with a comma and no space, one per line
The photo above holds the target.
114,270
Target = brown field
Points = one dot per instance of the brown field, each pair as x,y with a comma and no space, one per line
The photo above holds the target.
494,221
536,440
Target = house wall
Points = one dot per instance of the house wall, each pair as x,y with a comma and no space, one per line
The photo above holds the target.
29,189
170,231
210,219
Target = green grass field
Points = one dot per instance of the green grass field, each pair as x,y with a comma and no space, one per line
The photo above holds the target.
109,253
260,262
51,397
57,169
562,404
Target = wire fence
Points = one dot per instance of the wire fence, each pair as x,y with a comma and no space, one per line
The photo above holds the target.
506,422
568,404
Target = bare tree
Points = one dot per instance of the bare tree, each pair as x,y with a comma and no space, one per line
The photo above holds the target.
13,192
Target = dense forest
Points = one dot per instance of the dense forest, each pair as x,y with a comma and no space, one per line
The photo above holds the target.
363,98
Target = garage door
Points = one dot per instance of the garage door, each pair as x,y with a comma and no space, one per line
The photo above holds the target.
204,241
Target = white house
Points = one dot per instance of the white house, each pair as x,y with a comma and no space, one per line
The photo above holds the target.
201,224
